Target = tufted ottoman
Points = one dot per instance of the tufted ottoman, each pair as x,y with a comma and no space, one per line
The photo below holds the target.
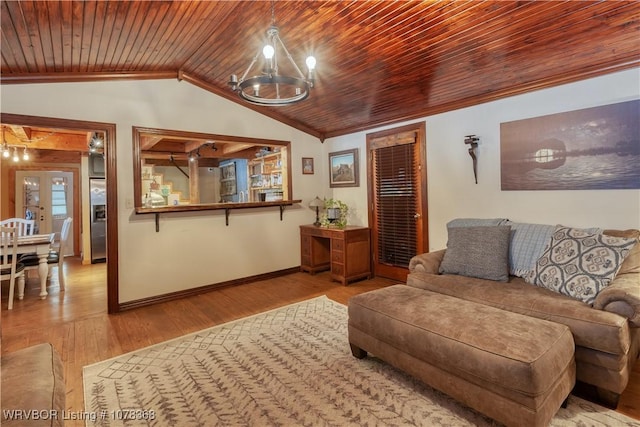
33,389
513,368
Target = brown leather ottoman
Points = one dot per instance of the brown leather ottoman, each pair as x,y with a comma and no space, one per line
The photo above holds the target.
513,368
33,390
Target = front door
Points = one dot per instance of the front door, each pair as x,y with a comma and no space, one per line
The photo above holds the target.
47,197
397,198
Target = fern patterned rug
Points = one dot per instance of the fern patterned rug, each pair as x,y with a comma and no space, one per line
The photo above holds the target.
287,367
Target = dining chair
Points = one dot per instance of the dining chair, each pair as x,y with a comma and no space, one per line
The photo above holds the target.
10,268
56,255
24,227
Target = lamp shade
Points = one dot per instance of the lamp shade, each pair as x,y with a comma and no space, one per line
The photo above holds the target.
316,203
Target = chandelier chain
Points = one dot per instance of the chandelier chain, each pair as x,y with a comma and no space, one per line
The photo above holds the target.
273,12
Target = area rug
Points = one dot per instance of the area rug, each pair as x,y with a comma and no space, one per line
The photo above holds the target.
287,367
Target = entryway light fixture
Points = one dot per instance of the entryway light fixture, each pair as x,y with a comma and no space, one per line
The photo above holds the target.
96,143
272,88
5,146
6,150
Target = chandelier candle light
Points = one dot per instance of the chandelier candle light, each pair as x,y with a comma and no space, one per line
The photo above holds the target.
271,88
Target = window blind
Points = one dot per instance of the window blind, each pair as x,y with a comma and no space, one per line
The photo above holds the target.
396,203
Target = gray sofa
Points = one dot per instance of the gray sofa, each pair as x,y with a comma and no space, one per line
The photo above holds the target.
606,331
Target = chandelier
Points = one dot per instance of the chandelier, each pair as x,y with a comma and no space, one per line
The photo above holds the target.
270,87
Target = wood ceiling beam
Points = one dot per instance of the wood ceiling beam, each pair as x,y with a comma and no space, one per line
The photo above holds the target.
234,148
39,140
21,132
146,142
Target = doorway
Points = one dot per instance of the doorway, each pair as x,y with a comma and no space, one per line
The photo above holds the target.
48,197
108,130
397,198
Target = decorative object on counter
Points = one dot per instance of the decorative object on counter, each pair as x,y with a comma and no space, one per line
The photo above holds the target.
307,166
335,214
317,203
343,168
472,140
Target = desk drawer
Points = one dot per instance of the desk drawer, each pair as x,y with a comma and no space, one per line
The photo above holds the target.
337,256
337,269
337,245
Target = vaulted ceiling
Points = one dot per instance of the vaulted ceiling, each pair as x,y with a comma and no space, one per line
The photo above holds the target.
379,62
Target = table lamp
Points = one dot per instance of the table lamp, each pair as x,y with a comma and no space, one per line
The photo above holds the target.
317,203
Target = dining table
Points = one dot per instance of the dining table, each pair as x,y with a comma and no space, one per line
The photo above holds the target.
40,244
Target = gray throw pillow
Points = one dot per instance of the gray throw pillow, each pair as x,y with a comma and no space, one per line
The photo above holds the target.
481,252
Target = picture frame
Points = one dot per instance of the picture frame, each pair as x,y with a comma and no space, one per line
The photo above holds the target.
307,166
228,185
593,148
344,168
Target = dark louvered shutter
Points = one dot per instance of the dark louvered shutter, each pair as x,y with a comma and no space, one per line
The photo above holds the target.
396,203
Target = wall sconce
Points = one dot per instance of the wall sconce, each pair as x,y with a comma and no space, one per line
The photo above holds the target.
317,203
472,140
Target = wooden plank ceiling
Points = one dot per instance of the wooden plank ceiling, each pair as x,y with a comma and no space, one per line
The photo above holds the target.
379,62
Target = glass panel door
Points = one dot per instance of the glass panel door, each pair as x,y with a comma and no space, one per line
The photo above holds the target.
30,200
47,197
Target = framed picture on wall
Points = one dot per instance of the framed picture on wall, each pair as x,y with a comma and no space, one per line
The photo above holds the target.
307,166
343,168
594,148
228,179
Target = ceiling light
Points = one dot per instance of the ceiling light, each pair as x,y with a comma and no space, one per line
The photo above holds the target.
5,146
272,88
96,143
16,158
25,155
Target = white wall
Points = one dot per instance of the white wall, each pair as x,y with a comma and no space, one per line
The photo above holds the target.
191,249
451,190
197,249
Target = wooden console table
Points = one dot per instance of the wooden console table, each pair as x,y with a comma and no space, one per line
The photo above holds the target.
345,251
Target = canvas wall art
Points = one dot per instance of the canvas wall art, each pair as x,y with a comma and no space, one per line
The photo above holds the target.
343,168
592,148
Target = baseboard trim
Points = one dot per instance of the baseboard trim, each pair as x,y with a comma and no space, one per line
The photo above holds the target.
130,305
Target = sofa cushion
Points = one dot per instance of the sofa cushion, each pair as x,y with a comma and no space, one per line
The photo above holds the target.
579,264
478,252
631,263
596,329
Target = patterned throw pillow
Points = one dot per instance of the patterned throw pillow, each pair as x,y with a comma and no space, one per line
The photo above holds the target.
579,264
528,241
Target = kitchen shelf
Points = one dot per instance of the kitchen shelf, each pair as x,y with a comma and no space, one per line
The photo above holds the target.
227,207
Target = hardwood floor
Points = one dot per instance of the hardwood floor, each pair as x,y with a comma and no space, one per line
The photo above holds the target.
77,324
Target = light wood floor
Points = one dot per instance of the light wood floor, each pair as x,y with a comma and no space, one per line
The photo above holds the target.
77,324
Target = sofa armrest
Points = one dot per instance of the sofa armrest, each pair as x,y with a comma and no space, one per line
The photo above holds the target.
428,262
622,297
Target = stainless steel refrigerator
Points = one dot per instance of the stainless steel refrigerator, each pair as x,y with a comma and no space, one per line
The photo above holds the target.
98,197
